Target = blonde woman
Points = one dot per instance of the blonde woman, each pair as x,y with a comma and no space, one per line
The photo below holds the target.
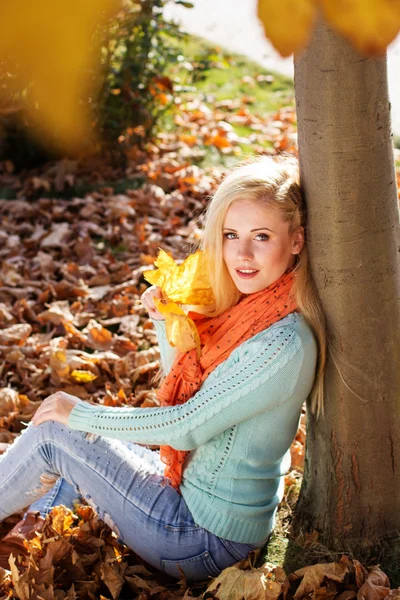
227,417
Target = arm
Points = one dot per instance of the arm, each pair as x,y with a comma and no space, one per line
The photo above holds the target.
167,352
265,376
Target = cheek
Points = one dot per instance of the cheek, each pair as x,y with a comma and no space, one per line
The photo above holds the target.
226,254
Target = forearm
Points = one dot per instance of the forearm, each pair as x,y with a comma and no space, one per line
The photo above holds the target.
167,352
253,386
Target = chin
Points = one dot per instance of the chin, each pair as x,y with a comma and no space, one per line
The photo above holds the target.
249,289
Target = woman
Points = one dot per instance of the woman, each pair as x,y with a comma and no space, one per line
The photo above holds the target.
227,419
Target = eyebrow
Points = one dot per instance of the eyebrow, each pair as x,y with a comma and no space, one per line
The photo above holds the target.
259,229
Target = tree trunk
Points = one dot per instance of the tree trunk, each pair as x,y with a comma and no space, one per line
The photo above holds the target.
351,487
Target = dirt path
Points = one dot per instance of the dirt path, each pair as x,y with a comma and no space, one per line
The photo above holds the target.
233,24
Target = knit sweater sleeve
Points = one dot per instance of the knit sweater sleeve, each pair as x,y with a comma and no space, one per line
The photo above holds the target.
167,352
264,376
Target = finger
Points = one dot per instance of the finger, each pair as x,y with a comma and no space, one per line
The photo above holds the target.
157,292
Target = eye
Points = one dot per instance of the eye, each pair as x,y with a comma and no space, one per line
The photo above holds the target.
263,237
229,235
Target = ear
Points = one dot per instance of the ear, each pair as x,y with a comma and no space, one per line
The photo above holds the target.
298,240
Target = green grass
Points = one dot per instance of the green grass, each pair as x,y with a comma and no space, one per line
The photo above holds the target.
223,76
224,81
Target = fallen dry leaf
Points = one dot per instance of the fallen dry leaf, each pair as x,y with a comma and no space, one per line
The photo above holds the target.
314,576
235,583
375,587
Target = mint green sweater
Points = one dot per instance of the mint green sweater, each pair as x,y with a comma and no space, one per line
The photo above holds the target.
239,427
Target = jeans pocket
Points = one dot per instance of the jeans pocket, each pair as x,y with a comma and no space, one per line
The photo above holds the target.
195,568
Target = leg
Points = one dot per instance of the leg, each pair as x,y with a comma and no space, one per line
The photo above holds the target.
61,493
128,493
64,493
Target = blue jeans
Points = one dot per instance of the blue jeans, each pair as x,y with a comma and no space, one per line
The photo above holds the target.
52,464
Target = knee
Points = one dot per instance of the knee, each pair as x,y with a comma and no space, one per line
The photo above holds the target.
49,430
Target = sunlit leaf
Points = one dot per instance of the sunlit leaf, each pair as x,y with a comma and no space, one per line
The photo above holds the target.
370,25
58,363
83,376
186,283
62,519
287,23
9,401
180,329
49,50
98,337
265,583
16,334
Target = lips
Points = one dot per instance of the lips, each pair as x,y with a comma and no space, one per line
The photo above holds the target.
246,273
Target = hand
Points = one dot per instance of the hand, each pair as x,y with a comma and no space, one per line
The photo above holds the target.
56,407
147,299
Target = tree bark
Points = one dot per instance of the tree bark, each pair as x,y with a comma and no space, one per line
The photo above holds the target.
351,487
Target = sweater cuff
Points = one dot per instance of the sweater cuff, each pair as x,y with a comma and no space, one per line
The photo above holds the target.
81,416
167,352
159,326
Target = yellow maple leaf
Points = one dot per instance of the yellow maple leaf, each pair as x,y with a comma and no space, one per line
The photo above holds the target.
62,520
186,283
83,376
370,25
287,23
180,329
48,51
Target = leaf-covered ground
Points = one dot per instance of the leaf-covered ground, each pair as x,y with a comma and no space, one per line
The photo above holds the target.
70,319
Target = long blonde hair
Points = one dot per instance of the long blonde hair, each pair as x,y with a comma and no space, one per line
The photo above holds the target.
274,181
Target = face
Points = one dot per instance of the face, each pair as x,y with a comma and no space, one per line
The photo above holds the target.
257,246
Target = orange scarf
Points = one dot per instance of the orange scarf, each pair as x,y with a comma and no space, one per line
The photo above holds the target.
218,337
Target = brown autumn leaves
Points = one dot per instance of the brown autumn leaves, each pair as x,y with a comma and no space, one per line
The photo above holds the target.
70,318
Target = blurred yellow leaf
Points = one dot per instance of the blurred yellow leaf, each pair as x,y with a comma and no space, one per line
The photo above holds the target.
48,51
180,329
58,363
186,283
83,376
370,25
288,23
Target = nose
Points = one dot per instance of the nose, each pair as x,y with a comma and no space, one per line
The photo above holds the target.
245,250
